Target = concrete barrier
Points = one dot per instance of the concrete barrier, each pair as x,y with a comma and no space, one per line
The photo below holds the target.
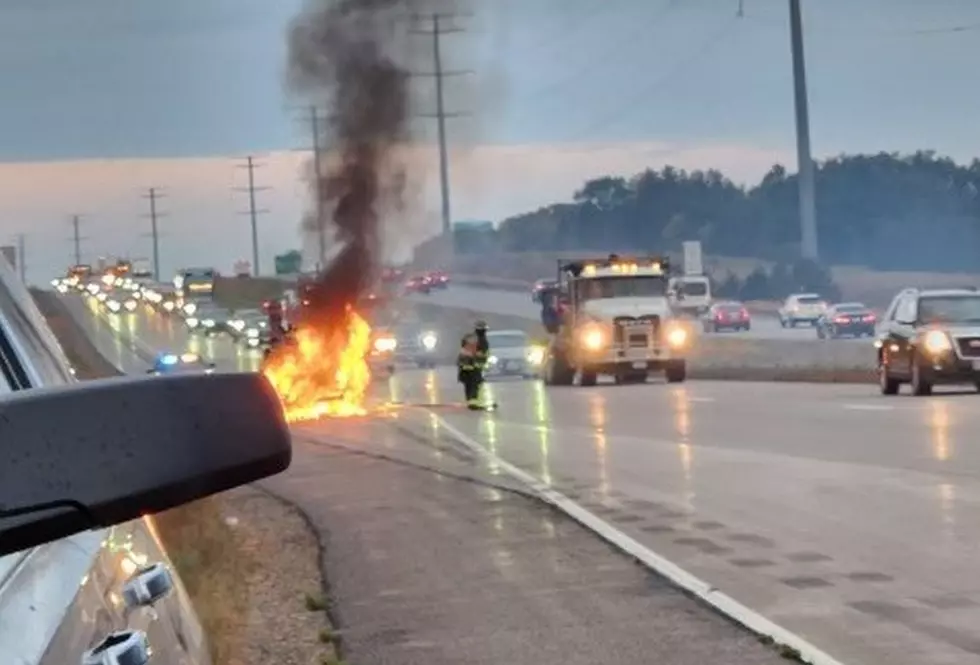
711,357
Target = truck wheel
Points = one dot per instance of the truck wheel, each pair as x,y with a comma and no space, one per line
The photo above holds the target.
557,372
676,371
588,378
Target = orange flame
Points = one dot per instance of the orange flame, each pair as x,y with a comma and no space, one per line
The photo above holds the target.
323,373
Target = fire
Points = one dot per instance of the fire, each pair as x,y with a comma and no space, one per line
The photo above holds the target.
323,372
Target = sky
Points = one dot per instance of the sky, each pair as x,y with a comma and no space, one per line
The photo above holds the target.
106,98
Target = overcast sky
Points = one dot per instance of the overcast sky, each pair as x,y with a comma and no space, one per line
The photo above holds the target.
106,79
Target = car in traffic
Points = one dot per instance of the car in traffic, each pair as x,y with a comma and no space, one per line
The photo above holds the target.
209,320
729,315
439,279
119,300
512,353
419,344
848,319
802,308
540,287
179,363
419,284
929,338
255,333
381,357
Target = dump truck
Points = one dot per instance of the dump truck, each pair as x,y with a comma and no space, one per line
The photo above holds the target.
616,319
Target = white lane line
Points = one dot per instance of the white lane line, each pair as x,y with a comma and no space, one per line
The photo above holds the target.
869,407
720,601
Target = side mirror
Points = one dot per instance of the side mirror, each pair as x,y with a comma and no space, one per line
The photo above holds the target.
99,453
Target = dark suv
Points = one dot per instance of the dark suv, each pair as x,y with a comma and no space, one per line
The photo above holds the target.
928,338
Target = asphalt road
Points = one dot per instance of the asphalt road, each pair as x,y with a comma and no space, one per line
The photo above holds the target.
434,558
842,515
513,303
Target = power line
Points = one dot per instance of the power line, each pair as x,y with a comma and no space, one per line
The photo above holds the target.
253,212
439,74
572,27
613,52
152,195
636,101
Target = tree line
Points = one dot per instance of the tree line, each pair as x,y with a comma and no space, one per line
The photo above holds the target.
886,211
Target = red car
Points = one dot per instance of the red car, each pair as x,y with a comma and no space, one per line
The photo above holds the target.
439,279
418,284
727,316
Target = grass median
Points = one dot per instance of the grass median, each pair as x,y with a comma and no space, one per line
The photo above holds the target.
249,561
457,321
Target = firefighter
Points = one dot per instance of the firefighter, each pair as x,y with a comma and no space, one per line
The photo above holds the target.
470,372
482,344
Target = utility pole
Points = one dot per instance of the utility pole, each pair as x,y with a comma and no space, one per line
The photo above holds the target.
76,225
807,184
439,28
253,212
21,261
153,195
318,175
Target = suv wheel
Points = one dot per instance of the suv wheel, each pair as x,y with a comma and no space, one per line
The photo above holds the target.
920,385
888,385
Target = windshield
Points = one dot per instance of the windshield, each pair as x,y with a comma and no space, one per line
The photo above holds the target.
729,308
850,309
809,300
506,340
693,288
621,287
950,309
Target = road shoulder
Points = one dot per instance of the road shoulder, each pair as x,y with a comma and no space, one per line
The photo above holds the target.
432,559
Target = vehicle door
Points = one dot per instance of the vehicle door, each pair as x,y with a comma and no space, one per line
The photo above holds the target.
901,333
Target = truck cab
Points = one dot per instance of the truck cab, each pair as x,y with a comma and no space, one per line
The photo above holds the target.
619,322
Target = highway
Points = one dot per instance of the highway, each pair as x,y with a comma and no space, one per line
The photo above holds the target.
841,515
515,303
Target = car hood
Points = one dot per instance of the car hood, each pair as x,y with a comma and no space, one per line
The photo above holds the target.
610,308
510,352
966,330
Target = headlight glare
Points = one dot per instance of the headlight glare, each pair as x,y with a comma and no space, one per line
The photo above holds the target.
936,342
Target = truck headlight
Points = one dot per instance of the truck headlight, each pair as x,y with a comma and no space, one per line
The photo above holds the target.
936,342
208,323
677,337
131,305
429,341
190,308
385,344
113,306
592,339
168,306
535,355
192,322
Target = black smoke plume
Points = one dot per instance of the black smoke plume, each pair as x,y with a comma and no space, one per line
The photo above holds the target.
343,55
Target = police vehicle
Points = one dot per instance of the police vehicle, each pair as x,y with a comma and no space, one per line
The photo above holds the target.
174,363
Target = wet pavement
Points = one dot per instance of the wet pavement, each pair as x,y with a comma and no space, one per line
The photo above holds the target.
434,559
841,515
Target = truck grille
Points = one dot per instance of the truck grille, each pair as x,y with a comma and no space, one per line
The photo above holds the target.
969,346
636,333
